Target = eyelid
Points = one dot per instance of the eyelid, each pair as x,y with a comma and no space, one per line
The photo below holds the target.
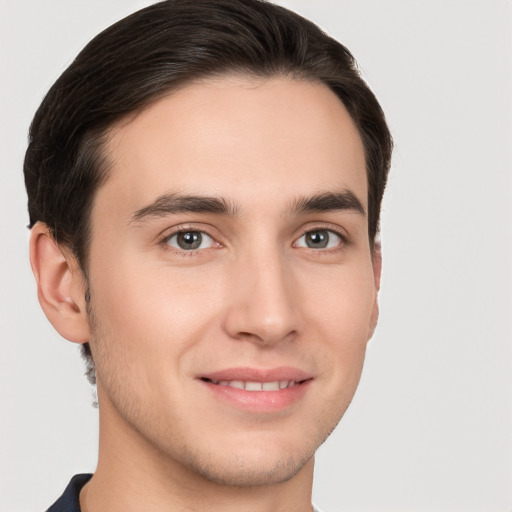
205,238
168,233
184,227
337,230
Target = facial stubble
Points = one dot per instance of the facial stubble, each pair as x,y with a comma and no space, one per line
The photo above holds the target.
237,472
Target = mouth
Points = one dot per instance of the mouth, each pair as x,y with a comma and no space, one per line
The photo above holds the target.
248,385
258,390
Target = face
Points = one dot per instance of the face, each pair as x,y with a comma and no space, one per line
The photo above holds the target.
231,277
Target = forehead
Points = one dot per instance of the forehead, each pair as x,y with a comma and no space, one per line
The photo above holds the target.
245,139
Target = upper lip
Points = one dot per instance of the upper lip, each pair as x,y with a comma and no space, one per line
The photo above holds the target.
249,374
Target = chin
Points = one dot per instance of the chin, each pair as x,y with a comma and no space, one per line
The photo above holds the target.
257,458
247,472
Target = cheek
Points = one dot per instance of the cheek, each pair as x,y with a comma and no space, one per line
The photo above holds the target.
342,301
151,310
341,311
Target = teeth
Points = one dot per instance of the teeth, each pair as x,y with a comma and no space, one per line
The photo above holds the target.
256,386
253,386
270,386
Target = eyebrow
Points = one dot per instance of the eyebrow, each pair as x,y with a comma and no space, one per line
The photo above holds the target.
329,201
175,203
169,204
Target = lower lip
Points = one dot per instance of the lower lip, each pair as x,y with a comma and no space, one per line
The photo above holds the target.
259,401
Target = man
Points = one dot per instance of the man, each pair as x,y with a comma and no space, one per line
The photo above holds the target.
204,188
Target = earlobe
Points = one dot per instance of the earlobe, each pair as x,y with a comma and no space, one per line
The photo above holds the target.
377,270
60,285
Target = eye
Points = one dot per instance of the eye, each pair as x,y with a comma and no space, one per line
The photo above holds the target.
319,239
190,240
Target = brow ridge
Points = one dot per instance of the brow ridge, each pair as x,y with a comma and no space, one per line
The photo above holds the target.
328,201
168,204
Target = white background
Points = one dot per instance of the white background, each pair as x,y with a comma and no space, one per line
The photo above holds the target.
430,428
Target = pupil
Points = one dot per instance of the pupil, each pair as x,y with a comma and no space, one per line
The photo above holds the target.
189,240
317,239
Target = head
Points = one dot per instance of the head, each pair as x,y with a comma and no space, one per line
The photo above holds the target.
174,87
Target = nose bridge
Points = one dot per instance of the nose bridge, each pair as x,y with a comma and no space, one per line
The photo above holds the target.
261,303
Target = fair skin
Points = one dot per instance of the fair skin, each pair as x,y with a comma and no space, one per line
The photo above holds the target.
270,283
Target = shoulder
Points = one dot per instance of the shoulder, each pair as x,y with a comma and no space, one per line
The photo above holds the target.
69,501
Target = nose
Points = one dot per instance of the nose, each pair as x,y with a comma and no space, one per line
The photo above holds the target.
262,304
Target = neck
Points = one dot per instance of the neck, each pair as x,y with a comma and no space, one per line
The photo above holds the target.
132,475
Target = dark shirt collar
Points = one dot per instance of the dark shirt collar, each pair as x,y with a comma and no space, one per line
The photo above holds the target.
69,501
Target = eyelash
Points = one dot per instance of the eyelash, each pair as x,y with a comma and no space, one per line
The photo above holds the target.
186,229
196,252
343,239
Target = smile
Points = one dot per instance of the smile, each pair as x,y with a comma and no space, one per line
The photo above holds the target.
258,390
275,385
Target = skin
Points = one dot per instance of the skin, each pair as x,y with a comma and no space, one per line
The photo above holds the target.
252,295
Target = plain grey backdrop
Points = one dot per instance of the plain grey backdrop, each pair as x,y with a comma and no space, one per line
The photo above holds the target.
430,428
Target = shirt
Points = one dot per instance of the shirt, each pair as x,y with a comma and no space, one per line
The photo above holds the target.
69,501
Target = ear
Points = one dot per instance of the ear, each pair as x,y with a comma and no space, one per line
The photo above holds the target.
377,270
61,285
